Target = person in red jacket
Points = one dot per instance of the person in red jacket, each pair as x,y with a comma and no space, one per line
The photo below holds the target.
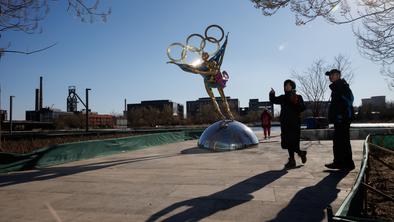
266,123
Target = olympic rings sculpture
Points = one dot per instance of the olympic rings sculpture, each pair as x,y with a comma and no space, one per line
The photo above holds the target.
200,49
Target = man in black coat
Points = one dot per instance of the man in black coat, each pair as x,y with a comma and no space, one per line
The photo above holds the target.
340,114
290,121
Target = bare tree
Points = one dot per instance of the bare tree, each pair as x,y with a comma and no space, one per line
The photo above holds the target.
372,20
313,84
25,16
343,64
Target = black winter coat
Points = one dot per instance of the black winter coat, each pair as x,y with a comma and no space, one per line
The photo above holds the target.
341,106
290,118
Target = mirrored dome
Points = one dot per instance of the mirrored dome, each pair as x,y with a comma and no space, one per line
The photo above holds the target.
227,135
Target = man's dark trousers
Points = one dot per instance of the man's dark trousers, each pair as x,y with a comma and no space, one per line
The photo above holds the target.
341,145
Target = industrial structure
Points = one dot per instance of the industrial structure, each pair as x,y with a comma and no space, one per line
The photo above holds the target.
41,113
72,99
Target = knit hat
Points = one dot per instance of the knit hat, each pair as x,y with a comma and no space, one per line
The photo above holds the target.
333,71
292,83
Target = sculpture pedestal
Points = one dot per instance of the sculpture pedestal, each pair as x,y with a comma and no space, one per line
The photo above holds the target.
226,135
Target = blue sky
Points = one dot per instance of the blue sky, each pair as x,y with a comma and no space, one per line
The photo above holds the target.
125,58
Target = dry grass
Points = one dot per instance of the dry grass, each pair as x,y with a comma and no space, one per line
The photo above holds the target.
380,175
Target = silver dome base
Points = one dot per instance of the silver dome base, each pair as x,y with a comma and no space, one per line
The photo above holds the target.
226,135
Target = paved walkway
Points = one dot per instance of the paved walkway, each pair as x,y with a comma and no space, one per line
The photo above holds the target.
178,182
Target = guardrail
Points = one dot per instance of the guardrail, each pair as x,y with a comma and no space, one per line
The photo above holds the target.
370,198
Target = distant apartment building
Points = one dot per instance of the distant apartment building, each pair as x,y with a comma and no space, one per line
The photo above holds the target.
194,107
375,102
177,109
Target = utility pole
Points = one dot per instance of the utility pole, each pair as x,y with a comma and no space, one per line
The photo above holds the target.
1,118
11,97
87,109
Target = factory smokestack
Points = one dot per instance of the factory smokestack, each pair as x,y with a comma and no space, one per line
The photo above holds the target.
125,108
40,92
37,107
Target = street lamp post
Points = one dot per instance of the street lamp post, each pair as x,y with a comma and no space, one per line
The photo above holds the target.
1,118
11,97
87,109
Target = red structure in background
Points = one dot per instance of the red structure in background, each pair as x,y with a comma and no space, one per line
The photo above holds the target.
101,121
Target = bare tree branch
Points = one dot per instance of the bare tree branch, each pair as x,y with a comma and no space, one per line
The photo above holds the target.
372,21
3,51
343,63
313,84
25,16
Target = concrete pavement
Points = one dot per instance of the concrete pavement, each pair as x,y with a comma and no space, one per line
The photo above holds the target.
179,182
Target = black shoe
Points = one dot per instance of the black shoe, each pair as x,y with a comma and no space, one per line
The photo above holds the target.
333,166
348,167
302,155
290,164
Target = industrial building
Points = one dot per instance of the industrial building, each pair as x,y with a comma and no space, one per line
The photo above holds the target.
102,121
41,113
48,115
3,115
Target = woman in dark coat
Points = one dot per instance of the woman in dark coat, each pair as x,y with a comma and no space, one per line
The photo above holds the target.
291,105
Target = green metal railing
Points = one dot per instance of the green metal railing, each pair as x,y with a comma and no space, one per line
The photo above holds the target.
356,205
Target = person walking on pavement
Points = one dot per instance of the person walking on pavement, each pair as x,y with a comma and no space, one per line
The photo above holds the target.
292,105
266,123
340,113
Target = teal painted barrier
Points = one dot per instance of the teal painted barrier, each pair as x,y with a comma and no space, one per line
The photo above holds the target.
68,152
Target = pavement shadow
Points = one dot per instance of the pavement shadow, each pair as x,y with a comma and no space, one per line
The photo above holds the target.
204,206
54,172
196,150
309,204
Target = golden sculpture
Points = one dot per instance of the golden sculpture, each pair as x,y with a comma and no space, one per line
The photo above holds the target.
208,68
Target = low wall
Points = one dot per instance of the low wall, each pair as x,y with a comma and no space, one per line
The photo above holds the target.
355,133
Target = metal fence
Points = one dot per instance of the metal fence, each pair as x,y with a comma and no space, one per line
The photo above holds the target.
371,198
